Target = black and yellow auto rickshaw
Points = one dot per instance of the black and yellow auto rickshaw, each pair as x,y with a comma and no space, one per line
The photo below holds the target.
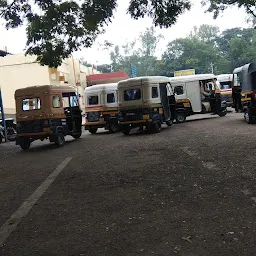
47,112
244,91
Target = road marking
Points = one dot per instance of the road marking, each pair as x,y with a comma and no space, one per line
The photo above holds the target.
11,224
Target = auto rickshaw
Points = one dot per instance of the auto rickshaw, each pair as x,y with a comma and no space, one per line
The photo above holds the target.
244,91
197,94
101,108
47,112
225,81
145,102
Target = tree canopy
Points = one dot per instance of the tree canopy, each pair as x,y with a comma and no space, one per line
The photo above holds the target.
203,48
56,28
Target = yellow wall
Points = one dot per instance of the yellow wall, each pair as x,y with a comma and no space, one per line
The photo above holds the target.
18,71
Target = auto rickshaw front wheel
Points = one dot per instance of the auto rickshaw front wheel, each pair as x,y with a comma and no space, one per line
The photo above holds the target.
223,113
25,143
93,130
77,135
180,117
60,139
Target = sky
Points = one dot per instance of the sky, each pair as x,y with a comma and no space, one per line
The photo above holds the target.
123,29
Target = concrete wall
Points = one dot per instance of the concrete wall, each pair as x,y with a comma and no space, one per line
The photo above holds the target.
18,71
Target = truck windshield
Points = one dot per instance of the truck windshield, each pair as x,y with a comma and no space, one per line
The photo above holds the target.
132,94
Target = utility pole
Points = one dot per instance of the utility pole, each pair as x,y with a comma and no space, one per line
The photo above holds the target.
3,116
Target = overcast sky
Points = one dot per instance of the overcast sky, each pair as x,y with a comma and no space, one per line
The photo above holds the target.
123,29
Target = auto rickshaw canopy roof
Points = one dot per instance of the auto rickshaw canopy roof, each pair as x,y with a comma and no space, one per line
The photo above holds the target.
43,89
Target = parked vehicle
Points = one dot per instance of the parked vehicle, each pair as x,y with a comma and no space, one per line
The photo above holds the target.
47,112
225,81
145,102
101,107
1,133
244,91
11,127
197,94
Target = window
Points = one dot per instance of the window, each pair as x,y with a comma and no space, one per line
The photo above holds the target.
132,94
93,100
179,90
154,92
225,85
110,98
31,104
74,101
56,101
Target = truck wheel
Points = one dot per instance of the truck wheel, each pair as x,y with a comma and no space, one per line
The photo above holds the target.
113,127
93,130
25,143
126,130
180,117
60,139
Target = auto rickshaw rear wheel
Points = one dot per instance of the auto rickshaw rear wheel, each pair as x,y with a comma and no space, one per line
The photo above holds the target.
169,123
156,126
248,116
223,113
93,130
126,130
60,139
25,143
113,127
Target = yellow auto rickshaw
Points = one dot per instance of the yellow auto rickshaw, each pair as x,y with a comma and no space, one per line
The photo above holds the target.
47,112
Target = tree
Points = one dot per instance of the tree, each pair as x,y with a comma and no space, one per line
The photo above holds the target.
216,6
56,28
140,52
205,33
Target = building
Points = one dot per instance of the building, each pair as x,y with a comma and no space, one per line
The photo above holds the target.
19,71
113,77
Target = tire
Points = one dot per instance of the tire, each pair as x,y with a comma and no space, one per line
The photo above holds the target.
223,113
180,117
1,138
169,123
25,143
11,134
157,127
93,130
248,116
60,139
77,135
126,130
113,127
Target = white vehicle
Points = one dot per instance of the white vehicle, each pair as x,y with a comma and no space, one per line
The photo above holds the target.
101,108
226,88
197,94
145,102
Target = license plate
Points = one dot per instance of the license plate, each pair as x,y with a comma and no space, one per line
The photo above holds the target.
130,114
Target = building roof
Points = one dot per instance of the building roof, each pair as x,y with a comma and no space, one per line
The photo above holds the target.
106,78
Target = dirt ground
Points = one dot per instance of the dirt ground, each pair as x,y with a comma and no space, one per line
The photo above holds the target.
189,190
